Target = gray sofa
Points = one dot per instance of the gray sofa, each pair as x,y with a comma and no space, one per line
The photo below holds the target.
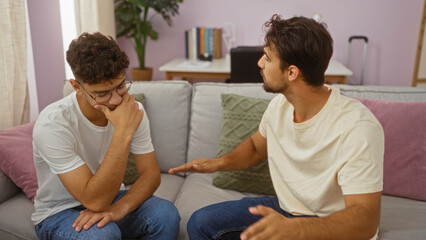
186,124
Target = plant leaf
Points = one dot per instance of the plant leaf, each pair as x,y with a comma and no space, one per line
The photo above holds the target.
130,23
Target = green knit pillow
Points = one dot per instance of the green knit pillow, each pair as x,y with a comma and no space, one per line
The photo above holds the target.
241,118
131,172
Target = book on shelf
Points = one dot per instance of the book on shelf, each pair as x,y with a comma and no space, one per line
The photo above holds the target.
197,40
203,43
217,43
211,41
186,45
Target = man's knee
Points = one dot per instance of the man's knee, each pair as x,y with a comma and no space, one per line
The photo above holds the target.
169,212
199,220
166,216
109,231
194,223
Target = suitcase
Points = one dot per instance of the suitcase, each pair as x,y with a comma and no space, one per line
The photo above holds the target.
365,39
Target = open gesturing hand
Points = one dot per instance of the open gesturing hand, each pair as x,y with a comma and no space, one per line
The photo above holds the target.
273,226
201,165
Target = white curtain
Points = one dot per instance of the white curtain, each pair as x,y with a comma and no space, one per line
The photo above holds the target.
95,16
14,107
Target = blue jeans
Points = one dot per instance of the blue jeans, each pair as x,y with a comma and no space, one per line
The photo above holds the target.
156,218
227,220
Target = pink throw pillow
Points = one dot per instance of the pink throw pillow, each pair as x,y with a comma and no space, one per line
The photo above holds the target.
16,157
404,125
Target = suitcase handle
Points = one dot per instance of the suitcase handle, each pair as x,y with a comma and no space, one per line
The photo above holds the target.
359,37
365,54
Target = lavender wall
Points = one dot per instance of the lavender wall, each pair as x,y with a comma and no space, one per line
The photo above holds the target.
391,25
46,36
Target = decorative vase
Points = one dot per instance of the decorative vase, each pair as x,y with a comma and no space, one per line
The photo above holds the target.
141,74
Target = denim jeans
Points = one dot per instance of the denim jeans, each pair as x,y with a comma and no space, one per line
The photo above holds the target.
227,220
156,218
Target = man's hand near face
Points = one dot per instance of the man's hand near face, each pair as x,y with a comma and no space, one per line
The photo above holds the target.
126,116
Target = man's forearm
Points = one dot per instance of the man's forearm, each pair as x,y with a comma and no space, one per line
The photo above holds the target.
105,183
243,156
355,222
139,192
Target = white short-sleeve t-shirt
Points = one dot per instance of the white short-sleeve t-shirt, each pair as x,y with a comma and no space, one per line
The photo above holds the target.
63,140
315,163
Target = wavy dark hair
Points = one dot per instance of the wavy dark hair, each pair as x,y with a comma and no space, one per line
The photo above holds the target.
302,42
96,58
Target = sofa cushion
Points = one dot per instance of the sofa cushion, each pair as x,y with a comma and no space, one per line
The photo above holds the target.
206,114
170,186
405,146
8,188
167,104
402,218
241,118
384,92
15,220
16,154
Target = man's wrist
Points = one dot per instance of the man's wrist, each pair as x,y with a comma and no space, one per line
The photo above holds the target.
222,163
123,134
121,208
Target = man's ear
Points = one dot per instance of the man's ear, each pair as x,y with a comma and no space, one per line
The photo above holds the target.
75,85
293,72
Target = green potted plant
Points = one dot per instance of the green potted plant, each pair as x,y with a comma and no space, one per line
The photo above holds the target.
131,18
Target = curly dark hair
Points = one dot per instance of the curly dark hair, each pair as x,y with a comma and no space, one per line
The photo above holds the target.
302,42
95,58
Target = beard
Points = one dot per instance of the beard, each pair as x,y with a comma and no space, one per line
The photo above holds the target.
274,89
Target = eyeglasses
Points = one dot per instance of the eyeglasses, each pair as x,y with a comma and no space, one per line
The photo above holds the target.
104,96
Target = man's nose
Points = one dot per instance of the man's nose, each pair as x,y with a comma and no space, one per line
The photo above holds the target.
260,63
115,98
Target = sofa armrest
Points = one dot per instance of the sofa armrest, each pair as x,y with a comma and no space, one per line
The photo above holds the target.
8,188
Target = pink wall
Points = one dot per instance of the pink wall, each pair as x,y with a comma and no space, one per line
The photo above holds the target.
46,36
391,25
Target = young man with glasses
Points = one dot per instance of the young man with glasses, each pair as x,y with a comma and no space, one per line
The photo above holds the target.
81,145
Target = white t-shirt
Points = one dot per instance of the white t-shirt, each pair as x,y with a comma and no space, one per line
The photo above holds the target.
314,163
63,140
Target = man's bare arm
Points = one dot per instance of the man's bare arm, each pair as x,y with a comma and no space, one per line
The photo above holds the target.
359,220
143,188
250,152
148,181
